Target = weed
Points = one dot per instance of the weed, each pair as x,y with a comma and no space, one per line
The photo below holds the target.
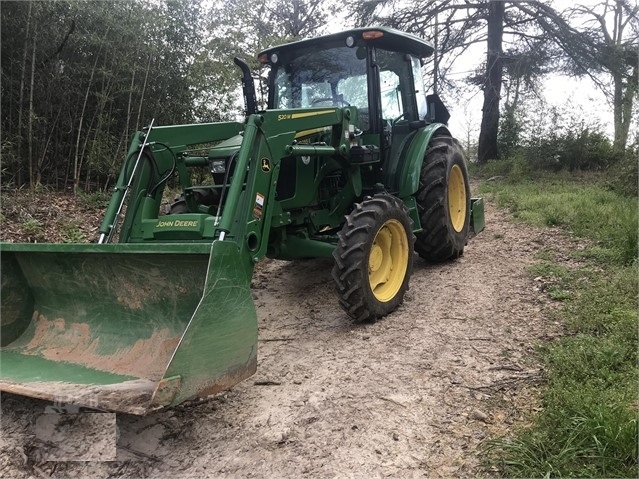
71,233
545,255
558,294
550,270
97,200
31,226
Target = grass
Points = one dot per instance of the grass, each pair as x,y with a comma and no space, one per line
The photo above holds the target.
32,226
584,209
95,200
588,424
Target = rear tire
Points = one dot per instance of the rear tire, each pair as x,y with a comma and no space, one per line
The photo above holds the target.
443,202
374,257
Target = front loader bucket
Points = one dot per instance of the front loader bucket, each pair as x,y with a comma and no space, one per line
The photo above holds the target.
125,327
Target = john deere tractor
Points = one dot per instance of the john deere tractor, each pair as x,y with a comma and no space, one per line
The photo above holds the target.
350,160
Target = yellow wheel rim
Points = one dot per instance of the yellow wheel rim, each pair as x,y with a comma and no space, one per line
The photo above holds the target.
388,260
457,198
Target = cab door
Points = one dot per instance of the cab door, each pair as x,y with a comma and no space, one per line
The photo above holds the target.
402,105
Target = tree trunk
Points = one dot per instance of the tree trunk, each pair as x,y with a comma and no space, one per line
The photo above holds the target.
46,149
98,114
623,101
32,180
128,107
21,100
76,159
146,77
492,88
436,57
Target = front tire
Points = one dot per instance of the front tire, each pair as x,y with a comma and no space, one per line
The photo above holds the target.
443,202
374,257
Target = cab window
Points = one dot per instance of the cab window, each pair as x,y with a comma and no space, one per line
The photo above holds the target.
398,99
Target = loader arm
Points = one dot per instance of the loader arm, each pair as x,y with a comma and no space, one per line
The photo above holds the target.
248,204
178,139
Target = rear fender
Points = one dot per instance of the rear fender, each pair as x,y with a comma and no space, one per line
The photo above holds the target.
412,162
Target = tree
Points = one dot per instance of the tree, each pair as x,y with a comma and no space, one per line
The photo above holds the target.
604,42
487,148
459,24
79,76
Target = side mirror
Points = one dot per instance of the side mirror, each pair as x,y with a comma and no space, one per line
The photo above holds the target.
436,111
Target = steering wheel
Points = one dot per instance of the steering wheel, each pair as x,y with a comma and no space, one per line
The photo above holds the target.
395,120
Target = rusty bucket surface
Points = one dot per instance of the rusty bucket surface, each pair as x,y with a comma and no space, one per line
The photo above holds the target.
125,327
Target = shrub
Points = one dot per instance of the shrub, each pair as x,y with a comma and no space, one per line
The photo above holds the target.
552,139
623,177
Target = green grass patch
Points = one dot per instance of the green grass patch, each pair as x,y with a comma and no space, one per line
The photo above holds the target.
583,208
556,279
588,423
70,232
32,226
545,255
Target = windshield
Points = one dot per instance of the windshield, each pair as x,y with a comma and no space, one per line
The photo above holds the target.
333,77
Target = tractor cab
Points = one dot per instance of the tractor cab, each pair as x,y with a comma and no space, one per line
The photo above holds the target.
377,70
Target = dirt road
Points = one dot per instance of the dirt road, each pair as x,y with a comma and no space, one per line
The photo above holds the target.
412,395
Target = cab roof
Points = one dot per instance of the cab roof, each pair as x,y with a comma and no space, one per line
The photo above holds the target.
386,38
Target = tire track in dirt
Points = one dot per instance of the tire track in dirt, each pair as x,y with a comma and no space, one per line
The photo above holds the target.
412,395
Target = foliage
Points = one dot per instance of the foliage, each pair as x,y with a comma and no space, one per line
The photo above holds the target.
95,200
244,28
70,232
32,226
624,177
600,41
578,148
79,76
588,425
511,126
552,139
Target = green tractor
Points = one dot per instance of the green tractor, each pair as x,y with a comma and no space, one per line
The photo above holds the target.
349,160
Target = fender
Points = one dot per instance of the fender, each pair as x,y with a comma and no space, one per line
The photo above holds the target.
412,162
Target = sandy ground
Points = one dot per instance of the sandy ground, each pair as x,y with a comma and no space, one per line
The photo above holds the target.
416,394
